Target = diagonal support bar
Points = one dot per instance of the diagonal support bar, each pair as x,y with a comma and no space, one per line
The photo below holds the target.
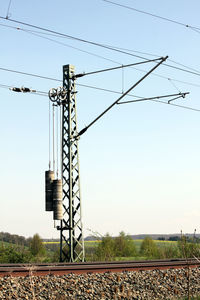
121,97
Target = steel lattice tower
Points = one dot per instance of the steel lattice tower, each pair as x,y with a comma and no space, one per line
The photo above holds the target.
71,233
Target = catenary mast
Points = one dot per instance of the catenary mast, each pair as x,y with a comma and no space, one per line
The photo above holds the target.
63,195
71,232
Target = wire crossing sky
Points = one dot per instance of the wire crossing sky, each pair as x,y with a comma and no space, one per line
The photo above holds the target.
139,163
152,15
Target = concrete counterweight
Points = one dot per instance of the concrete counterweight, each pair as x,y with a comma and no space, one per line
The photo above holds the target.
49,177
57,200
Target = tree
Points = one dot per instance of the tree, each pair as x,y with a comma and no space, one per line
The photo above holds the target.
188,249
106,249
124,245
161,238
149,248
36,246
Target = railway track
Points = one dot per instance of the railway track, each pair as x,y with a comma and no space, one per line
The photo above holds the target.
96,267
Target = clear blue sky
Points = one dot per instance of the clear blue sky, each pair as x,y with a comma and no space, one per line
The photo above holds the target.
140,163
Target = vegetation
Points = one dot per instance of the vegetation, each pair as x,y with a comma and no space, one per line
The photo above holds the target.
149,248
14,254
17,249
34,251
36,246
14,239
111,248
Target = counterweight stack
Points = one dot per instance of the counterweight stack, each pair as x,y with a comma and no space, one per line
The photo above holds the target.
57,200
49,177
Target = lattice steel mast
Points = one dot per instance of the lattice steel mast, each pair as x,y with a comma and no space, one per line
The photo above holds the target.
69,196
71,232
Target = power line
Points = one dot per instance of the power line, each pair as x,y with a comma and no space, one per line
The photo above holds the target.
71,37
29,74
177,105
168,78
41,93
22,89
152,15
155,55
197,73
72,47
89,86
37,33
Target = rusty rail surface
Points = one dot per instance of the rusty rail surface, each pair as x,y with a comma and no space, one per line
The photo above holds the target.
93,267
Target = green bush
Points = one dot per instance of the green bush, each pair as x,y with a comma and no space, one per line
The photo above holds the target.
168,251
36,246
109,248
13,254
106,249
149,248
124,245
188,249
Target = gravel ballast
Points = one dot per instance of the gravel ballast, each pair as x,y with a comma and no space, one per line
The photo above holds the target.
154,284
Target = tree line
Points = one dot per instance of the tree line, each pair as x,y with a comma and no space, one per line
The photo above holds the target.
22,251
14,239
109,248
123,246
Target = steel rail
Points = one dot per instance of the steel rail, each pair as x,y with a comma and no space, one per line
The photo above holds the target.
96,267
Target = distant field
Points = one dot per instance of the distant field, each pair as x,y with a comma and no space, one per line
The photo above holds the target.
46,243
158,243
93,244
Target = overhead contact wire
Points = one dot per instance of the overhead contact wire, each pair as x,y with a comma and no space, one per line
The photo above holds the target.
196,72
72,37
112,48
152,15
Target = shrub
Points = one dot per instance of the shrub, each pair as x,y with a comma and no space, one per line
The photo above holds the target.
124,245
149,248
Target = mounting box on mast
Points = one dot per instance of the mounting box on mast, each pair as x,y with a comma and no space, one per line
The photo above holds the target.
71,233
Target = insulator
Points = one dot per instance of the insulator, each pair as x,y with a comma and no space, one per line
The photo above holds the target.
15,89
49,177
25,90
57,200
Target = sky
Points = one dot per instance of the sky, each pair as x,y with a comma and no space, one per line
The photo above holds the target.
139,164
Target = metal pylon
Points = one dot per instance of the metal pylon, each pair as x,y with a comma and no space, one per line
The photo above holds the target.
71,233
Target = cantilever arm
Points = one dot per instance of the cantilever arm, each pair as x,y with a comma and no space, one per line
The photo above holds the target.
122,96
179,95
